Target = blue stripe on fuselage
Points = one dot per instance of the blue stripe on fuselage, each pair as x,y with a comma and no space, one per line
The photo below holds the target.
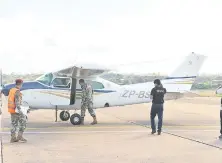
187,77
38,85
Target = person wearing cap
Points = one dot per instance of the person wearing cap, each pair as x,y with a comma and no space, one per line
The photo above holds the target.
17,117
87,101
157,96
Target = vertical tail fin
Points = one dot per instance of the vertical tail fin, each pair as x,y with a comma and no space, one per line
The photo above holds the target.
182,79
189,68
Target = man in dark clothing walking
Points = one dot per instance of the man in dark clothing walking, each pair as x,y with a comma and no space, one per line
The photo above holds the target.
157,96
220,137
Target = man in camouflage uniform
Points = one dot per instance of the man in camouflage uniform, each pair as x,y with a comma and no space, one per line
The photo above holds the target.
87,101
17,117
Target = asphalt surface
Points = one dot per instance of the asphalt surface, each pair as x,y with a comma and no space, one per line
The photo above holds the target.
190,134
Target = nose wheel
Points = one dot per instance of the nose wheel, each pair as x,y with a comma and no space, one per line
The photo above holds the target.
64,115
75,119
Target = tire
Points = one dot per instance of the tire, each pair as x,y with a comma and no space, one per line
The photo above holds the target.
75,119
106,105
64,116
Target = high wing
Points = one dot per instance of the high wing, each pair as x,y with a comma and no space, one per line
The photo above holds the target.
82,71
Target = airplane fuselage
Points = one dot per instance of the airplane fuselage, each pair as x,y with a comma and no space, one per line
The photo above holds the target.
41,96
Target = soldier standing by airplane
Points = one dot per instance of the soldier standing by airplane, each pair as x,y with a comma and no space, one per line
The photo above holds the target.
14,103
157,96
87,101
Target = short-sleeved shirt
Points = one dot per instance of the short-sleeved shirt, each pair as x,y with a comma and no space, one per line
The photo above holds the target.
158,95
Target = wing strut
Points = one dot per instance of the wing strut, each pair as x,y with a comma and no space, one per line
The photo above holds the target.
73,92
73,87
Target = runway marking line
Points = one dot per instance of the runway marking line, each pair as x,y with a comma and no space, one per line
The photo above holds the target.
87,132
122,126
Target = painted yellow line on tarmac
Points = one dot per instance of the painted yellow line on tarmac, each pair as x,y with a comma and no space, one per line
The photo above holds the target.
113,126
74,127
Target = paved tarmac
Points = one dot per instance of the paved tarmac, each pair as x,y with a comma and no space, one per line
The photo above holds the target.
191,130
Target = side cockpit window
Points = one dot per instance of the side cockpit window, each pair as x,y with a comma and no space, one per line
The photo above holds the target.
61,82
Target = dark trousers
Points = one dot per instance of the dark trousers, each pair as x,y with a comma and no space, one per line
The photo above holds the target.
221,122
156,109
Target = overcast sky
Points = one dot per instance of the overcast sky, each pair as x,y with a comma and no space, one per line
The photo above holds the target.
45,35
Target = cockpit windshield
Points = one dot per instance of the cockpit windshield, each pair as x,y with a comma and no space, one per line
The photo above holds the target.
45,79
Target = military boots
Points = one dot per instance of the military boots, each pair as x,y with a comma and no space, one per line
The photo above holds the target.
20,137
94,121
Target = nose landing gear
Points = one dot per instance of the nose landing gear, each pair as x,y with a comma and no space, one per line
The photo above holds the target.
75,118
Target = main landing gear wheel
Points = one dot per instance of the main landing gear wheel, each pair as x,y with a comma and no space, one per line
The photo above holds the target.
64,116
75,119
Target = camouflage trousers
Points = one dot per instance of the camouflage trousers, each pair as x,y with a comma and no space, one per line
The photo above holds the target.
18,119
89,105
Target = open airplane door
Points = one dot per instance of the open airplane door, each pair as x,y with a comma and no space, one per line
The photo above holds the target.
73,91
75,73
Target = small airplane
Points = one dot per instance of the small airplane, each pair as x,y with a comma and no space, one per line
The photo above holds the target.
60,90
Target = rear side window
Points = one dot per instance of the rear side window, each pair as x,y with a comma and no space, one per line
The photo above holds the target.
96,85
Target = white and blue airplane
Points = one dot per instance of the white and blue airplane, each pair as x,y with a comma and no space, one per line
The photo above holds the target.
60,90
